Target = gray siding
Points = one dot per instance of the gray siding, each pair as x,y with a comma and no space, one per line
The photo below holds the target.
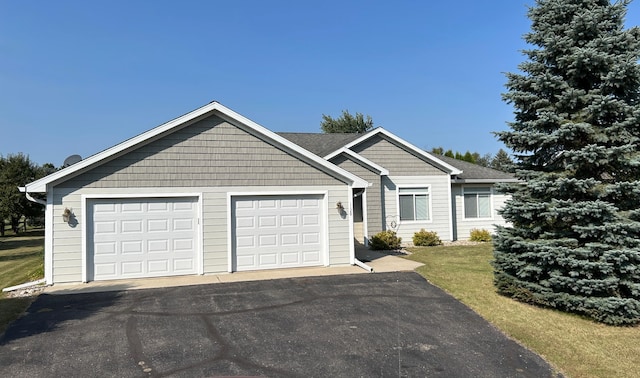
464,226
210,152
374,193
398,161
210,157
440,206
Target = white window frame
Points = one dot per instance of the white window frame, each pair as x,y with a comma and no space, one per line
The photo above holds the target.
477,190
429,204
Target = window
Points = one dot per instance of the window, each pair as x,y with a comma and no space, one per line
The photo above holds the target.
414,204
477,202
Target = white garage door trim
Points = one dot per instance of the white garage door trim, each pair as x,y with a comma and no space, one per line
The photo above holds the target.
324,237
86,203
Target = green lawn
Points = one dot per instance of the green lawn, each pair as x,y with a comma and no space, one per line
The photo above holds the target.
576,346
21,260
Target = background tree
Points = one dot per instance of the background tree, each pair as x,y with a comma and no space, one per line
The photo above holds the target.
346,123
575,240
18,170
502,162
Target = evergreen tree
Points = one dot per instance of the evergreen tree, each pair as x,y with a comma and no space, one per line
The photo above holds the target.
574,243
346,123
502,161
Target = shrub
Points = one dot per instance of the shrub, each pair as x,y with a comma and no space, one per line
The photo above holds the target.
385,240
424,238
480,235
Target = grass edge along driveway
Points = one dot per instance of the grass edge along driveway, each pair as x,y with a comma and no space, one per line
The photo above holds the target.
21,260
576,346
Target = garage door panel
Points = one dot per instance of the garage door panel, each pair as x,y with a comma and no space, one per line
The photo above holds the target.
148,237
277,231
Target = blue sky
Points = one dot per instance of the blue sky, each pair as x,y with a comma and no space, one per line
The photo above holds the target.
77,77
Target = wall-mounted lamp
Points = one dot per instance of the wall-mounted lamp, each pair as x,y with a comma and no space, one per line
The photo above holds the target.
339,207
67,214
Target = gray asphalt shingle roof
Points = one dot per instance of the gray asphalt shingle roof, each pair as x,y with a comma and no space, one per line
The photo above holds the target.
323,144
472,171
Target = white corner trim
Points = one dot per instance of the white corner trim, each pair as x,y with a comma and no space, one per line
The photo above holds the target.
48,240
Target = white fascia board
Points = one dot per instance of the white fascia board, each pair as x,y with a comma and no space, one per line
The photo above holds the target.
482,181
40,186
382,170
419,151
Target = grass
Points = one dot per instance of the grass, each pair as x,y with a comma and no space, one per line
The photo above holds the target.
21,260
576,346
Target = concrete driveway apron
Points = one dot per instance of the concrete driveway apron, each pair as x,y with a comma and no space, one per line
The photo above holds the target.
363,325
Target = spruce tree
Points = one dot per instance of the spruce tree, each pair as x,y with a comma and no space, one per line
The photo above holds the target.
574,237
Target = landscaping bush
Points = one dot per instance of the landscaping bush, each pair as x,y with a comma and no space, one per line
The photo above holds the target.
424,238
385,240
480,235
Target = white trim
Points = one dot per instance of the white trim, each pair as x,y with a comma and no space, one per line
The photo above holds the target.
85,198
382,170
352,247
365,214
451,205
482,181
48,240
420,152
325,218
414,186
491,196
40,186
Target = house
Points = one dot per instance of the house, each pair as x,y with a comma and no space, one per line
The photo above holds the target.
410,189
212,191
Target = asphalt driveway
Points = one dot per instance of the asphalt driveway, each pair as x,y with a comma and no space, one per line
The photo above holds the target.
365,325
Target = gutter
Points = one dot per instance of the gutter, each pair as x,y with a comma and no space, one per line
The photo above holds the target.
23,189
363,266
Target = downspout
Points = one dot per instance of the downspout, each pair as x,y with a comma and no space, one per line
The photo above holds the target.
30,198
363,266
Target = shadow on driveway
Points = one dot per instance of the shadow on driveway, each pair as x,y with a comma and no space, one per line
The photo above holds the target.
372,325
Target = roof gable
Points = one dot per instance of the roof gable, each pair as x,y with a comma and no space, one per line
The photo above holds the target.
380,132
40,186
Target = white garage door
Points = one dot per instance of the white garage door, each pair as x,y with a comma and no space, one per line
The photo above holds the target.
135,238
277,232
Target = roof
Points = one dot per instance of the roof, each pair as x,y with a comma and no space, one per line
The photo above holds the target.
40,186
321,144
328,145
477,173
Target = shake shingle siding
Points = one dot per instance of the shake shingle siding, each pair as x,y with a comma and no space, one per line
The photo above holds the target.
210,158
210,152
398,161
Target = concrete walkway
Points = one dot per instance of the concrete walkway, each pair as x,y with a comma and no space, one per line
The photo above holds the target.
380,262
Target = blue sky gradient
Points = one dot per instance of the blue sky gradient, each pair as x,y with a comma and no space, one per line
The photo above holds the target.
77,77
